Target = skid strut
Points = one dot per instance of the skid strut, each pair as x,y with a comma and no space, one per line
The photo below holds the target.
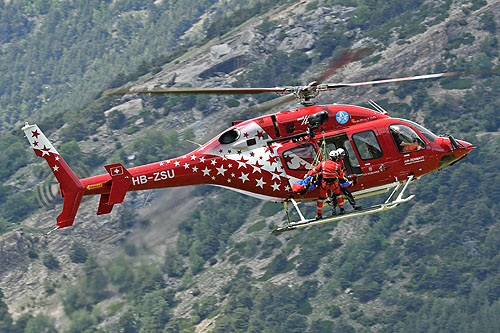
387,205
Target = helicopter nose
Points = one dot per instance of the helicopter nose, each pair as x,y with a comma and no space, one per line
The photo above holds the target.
463,149
458,150
467,145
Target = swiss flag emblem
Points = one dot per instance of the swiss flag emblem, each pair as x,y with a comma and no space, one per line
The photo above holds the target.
116,171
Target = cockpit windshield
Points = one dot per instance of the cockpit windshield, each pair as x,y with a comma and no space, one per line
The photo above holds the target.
425,132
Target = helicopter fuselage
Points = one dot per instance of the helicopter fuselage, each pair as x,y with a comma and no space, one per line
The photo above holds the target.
263,157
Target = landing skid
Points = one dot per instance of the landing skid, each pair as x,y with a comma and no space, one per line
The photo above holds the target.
387,205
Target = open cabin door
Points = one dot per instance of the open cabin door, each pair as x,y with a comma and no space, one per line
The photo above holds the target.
333,142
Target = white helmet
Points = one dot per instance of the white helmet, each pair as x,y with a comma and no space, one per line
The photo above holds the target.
334,154
341,152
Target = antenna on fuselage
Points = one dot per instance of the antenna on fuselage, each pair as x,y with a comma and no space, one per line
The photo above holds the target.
377,107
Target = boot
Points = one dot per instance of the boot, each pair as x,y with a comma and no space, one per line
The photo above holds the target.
334,211
342,211
356,207
319,216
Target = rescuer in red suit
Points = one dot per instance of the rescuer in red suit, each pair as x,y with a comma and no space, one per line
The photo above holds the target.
340,160
329,172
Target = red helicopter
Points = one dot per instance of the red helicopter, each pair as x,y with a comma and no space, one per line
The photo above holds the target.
264,156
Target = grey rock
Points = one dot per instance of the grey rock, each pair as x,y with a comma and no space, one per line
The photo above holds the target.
129,109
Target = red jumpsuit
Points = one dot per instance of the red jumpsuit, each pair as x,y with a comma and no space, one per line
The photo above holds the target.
330,171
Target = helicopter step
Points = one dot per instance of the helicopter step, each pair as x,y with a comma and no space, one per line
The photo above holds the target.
387,205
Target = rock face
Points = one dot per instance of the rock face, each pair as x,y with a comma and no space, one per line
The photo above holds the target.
14,249
129,108
250,44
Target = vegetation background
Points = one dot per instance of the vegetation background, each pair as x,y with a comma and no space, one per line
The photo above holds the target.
430,265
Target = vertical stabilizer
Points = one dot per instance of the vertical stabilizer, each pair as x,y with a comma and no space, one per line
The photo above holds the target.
71,187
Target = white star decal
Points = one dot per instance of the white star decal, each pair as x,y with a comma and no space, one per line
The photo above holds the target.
276,174
260,182
186,165
275,187
221,170
202,159
161,163
232,175
193,157
243,177
45,151
229,180
57,158
213,177
287,188
229,165
206,171
177,163
256,168
241,164
213,162
195,169
55,168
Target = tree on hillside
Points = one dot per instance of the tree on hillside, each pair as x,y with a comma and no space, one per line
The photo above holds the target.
5,318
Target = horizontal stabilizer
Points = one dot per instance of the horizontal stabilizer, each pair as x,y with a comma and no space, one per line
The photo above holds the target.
121,179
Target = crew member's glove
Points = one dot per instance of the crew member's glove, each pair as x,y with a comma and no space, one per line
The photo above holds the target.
354,179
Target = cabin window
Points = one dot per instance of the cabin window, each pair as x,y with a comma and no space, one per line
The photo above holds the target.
367,145
300,158
229,136
341,141
406,139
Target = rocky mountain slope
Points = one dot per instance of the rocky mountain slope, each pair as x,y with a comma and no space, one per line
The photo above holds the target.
38,272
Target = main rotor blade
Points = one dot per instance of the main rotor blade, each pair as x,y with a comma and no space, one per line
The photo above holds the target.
347,57
333,86
198,91
263,107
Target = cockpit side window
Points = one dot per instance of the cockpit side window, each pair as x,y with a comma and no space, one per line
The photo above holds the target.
406,139
425,132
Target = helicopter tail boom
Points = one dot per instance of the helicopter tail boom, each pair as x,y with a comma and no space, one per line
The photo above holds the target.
69,185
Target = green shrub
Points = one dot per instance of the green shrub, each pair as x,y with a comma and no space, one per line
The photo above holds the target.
50,261
258,226
334,311
130,249
270,208
78,253
232,103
